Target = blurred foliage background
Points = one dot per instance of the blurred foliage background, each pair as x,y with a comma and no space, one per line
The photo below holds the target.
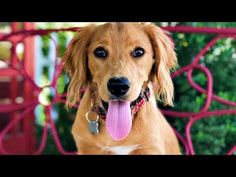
214,135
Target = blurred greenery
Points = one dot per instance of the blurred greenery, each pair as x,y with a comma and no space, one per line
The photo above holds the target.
213,135
65,117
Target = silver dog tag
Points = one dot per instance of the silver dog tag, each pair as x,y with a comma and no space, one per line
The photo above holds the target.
93,127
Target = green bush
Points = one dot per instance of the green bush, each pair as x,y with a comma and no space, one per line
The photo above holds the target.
213,135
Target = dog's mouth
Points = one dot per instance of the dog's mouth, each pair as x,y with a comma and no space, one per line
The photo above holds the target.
144,95
119,113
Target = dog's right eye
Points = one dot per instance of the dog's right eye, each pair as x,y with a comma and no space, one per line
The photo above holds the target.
100,52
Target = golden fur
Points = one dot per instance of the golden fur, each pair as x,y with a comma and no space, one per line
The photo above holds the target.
150,131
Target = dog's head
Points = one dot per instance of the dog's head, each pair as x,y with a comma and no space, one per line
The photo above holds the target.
117,59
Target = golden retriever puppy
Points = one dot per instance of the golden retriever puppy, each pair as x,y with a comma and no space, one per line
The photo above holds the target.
125,67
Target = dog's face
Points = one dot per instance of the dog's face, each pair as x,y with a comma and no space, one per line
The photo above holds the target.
117,59
120,56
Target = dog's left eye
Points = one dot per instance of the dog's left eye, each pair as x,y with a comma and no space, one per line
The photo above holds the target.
138,52
100,52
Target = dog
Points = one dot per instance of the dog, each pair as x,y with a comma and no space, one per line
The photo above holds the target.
124,67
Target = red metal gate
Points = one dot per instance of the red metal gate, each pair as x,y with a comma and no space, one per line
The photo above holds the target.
14,90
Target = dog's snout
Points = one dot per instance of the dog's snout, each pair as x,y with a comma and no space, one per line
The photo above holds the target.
118,86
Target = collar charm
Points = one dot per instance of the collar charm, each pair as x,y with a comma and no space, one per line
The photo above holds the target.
93,125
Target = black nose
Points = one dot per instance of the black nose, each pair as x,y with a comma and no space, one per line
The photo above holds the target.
118,86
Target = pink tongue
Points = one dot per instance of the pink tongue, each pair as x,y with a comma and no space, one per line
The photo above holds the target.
118,120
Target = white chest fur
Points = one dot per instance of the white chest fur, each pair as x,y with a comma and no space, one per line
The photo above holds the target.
120,150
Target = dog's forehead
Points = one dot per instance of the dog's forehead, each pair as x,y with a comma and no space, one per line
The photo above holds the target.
115,32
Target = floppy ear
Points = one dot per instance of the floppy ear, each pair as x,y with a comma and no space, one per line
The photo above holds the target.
165,60
75,64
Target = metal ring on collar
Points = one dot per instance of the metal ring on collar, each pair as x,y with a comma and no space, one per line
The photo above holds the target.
86,115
